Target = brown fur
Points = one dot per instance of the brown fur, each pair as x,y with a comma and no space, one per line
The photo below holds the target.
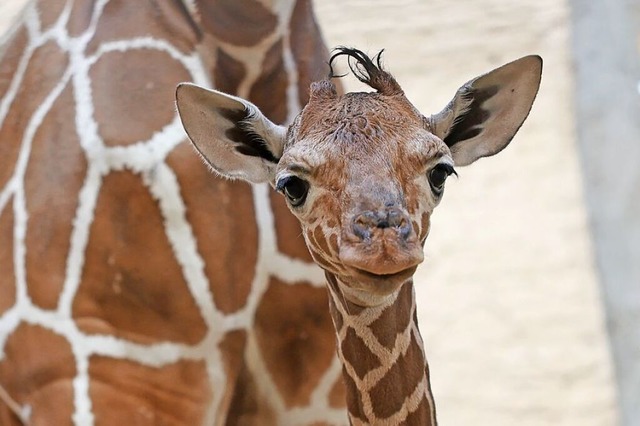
132,286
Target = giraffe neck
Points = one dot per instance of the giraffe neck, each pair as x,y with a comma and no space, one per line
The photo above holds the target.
384,366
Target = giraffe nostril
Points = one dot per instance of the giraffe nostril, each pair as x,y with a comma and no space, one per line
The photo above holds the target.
383,224
361,231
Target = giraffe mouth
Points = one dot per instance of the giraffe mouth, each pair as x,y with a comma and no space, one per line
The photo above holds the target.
381,283
405,273
388,263
380,266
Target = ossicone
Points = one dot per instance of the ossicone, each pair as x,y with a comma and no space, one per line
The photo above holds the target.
367,70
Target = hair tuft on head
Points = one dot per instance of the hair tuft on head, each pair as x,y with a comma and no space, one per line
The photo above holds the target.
367,70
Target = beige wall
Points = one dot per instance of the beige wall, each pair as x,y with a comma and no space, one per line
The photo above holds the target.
509,304
508,297
606,48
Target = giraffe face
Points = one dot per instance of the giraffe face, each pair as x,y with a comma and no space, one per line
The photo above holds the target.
363,173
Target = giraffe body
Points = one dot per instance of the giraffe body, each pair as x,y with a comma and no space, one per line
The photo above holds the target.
363,173
123,298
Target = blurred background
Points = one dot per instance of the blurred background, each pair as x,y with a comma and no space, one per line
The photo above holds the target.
529,298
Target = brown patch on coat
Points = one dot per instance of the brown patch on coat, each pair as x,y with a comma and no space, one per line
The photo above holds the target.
248,407
308,48
320,239
37,370
177,393
228,72
288,231
162,20
237,22
132,285
420,416
357,354
232,348
222,216
337,395
53,180
8,276
49,11
269,92
336,315
354,403
390,393
10,59
80,17
425,225
319,260
389,325
133,94
8,417
321,251
34,88
296,338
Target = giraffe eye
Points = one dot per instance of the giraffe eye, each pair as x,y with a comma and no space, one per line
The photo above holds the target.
438,175
294,188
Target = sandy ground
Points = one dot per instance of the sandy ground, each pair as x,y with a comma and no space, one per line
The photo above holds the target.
508,297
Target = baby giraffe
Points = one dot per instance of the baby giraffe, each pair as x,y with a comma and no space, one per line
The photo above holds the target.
363,173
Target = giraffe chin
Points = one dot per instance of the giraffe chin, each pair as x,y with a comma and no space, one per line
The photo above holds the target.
381,258
380,284
384,274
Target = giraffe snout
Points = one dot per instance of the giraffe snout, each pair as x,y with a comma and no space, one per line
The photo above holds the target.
381,244
366,224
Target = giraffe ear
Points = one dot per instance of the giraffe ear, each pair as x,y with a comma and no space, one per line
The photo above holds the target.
487,111
231,134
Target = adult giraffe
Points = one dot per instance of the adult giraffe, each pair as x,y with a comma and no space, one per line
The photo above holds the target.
132,289
363,173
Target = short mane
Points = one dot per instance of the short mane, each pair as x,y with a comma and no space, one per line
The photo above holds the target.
366,70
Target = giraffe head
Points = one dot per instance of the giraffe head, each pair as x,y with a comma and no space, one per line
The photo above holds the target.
362,171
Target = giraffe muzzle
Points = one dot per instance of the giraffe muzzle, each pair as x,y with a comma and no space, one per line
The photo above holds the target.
381,243
368,223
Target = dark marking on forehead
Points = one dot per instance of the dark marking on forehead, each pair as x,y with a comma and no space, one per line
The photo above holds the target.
247,141
471,123
358,116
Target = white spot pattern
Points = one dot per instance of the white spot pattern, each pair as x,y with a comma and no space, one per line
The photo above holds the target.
147,158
